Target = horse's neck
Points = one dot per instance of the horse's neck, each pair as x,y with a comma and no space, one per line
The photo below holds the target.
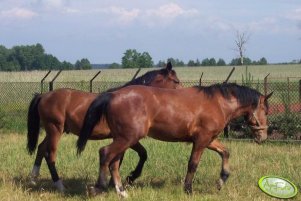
232,109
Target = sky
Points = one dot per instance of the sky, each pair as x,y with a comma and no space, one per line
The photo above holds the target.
102,30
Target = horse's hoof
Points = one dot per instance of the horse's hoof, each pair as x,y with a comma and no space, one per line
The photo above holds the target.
33,180
219,184
123,194
93,191
129,181
60,186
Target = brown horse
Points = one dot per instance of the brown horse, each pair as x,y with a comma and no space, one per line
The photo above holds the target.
196,114
63,110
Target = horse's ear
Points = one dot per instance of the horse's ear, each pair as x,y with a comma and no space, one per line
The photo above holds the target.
269,95
169,66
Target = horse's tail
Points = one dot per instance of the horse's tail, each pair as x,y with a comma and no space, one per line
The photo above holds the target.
33,124
96,111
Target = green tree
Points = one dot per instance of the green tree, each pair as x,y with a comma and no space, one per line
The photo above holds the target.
237,61
263,61
197,63
161,64
134,59
83,64
221,62
130,59
50,62
176,62
190,63
212,62
205,62
67,65
115,65
145,60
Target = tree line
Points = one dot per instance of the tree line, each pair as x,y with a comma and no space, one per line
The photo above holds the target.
133,59
33,57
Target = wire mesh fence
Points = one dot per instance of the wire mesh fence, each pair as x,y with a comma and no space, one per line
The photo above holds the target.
284,117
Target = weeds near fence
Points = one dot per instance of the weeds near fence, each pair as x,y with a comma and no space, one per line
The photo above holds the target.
288,122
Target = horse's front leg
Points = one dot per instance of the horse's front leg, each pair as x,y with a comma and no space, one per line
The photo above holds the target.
197,150
224,153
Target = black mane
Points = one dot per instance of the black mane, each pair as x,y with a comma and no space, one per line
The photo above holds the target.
245,95
145,79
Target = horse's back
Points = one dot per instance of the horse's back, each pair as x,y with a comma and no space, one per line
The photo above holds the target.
164,114
62,104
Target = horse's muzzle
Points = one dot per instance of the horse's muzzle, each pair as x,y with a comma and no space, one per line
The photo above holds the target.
260,137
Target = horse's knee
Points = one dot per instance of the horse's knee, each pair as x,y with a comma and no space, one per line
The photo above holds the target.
192,167
226,153
102,156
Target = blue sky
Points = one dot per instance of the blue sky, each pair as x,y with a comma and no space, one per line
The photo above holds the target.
101,30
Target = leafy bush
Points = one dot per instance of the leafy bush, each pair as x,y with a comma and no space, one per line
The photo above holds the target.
287,123
1,119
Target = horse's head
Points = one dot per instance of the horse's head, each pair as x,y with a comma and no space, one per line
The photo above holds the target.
257,119
166,78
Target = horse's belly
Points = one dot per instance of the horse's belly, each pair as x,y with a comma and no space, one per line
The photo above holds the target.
169,135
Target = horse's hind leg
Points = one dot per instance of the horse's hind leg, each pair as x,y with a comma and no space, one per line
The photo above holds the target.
110,155
38,161
138,170
224,153
54,133
142,158
114,169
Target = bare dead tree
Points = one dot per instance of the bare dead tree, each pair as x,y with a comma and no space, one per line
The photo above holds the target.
240,41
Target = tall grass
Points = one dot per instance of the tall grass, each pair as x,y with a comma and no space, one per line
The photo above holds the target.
184,73
163,175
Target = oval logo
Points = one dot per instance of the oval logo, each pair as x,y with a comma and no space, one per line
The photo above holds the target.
277,187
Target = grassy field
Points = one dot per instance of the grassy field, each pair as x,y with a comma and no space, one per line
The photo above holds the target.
162,177
184,74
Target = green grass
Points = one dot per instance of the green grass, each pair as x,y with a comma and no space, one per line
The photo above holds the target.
163,175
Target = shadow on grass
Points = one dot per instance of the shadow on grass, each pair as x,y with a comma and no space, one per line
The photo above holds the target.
74,186
155,183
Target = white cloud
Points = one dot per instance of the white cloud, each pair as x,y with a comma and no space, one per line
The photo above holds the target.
169,11
266,24
124,16
71,10
295,14
166,14
20,13
53,3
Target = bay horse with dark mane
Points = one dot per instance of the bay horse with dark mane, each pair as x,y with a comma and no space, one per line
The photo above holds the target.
63,110
195,114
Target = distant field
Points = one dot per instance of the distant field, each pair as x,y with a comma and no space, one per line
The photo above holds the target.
162,178
184,73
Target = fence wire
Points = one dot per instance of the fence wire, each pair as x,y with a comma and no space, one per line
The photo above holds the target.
284,117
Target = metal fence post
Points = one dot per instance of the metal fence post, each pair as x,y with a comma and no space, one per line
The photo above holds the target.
200,83
265,84
134,77
288,91
42,81
299,90
231,72
51,82
91,81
